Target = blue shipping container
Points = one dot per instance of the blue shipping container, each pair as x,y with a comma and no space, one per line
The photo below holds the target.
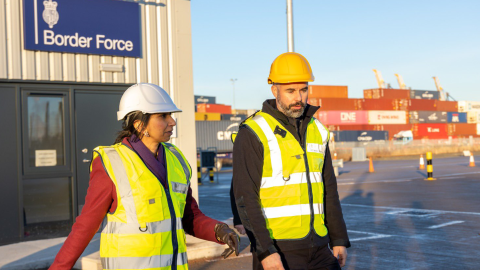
457,117
360,135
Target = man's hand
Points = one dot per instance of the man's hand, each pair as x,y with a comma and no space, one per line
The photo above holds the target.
272,262
340,253
225,234
240,229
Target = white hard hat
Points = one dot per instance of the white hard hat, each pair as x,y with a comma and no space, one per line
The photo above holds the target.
147,98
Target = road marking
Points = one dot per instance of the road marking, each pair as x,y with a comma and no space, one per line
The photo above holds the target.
412,209
373,235
453,177
231,257
446,224
379,181
406,213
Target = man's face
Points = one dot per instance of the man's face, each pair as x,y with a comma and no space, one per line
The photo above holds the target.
291,98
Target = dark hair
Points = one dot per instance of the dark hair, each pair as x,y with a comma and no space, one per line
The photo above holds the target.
128,129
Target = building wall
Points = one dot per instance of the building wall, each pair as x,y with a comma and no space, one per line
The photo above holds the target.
166,60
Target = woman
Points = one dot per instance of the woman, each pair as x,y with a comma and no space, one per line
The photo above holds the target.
142,185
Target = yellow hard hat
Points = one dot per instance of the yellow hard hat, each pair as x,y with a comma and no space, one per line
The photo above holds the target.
289,68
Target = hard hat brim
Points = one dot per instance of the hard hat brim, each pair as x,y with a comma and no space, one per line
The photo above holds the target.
121,114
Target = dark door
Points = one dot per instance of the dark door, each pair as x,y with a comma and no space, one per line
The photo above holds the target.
96,125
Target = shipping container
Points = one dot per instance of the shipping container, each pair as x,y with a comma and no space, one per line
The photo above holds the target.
421,105
383,93
465,106
348,127
340,104
457,117
385,104
416,117
237,111
234,117
342,117
360,136
473,117
312,101
204,99
214,108
327,91
430,131
462,129
421,94
216,134
207,116
251,112
447,106
392,129
387,117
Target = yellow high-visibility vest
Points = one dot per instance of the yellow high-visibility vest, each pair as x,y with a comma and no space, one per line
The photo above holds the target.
146,231
291,190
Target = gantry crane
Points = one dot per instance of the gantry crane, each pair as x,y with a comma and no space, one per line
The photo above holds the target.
401,84
380,81
443,95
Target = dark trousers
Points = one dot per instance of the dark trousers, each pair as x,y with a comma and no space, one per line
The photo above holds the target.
317,258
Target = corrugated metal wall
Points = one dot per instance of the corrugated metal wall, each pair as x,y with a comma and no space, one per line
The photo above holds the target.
20,64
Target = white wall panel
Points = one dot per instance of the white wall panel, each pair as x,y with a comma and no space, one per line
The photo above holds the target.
119,77
28,58
130,70
3,41
56,66
68,66
94,68
142,62
107,77
42,64
81,61
14,45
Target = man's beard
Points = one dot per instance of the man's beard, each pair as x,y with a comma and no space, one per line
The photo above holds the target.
288,111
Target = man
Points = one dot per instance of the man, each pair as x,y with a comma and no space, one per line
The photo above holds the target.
283,180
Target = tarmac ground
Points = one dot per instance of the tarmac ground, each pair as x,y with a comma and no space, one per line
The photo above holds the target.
395,218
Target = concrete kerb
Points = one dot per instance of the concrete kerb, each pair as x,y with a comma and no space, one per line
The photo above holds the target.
41,253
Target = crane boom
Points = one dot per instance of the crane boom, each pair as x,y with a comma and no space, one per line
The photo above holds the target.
401,84
439,89
380,81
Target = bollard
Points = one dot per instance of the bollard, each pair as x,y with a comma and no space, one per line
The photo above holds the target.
199,173
472,161
211,175
370,166
429,167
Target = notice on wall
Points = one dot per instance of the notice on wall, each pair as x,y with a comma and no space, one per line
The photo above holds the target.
45,158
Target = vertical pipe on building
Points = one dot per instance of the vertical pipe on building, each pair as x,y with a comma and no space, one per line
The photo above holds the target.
149,46
170,49
159,44
290,25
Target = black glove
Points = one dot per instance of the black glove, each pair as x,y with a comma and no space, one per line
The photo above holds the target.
225,234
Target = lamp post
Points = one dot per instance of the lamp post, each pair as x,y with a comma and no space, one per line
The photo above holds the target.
290,25
233,84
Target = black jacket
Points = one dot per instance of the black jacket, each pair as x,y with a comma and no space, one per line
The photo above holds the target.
247,175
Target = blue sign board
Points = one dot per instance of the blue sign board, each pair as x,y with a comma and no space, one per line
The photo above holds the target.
107,27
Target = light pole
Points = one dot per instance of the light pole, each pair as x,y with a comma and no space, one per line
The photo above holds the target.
233,84
290,25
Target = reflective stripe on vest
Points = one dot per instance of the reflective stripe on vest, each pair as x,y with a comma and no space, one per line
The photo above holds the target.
284,193
153,262
139,234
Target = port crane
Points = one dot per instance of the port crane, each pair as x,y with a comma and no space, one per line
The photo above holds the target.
380,81
401,84
443,95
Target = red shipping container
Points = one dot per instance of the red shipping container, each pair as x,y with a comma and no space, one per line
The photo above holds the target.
382,93
327,91
340,104
462,129
348,127
430,131
385,104
447,106
312,101
214,108
342,117
422,105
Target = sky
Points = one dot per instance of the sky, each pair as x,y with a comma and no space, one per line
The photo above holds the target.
343,41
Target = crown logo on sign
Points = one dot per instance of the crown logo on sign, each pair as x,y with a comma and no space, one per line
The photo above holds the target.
50,14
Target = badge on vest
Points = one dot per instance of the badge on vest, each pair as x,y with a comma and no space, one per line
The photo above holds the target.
151,201
316,148
280,131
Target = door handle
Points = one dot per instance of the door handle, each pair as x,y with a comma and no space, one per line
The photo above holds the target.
86,160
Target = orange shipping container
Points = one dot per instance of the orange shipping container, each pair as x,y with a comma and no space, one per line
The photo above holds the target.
214,108
422,105
340,104
327,91
385,104
447,106
207,116
383,93
462,129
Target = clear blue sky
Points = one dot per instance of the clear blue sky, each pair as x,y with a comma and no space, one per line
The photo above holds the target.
343,41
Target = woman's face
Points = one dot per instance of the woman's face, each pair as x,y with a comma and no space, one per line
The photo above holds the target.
160,127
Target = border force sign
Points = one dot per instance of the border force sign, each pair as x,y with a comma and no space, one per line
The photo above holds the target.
106,27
